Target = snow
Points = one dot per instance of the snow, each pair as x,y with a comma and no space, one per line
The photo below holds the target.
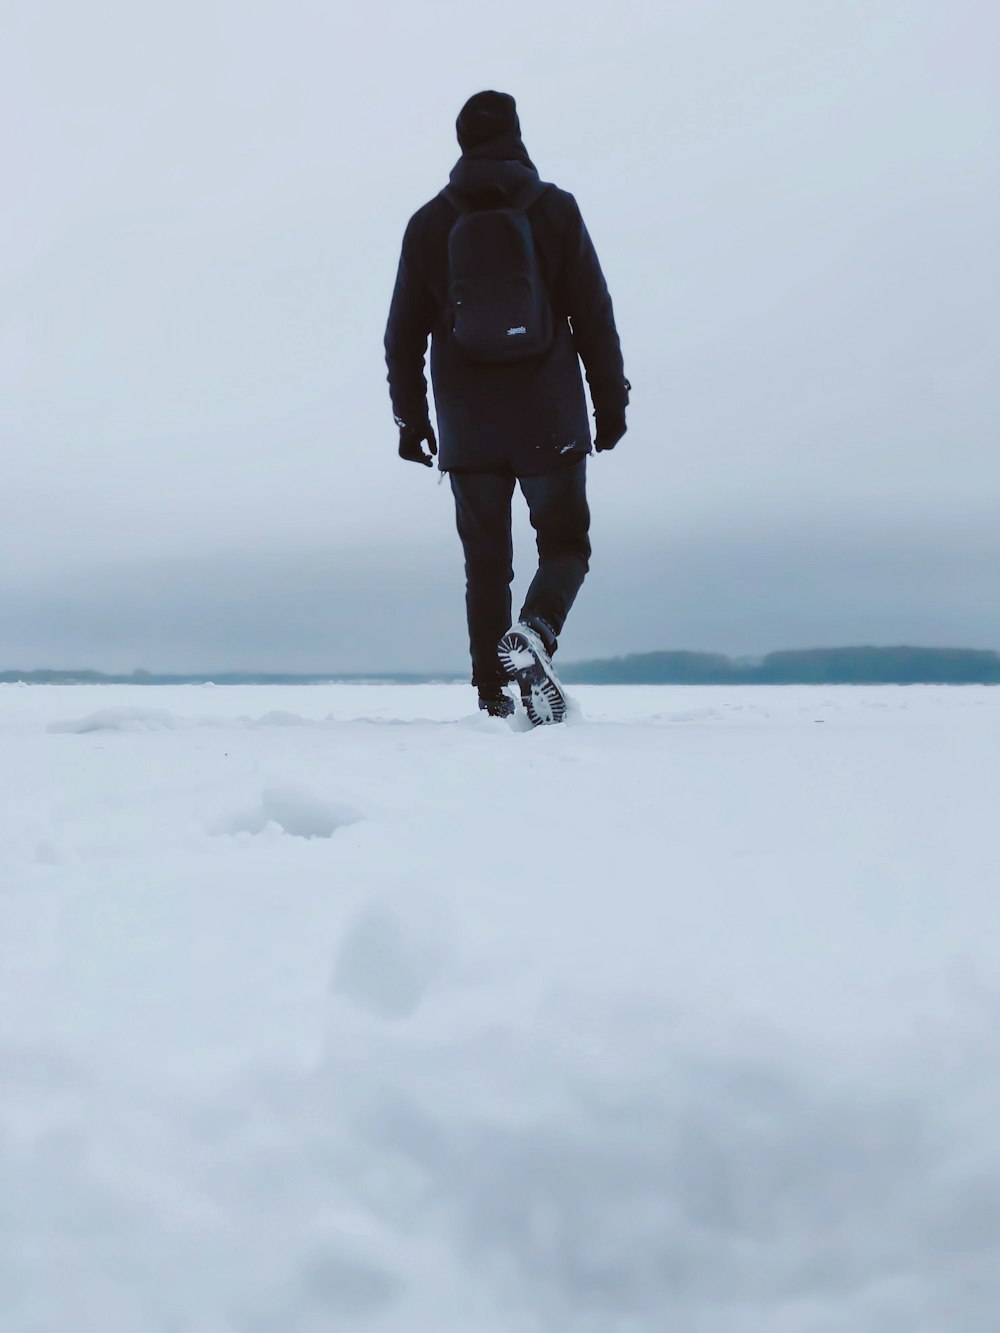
345,1007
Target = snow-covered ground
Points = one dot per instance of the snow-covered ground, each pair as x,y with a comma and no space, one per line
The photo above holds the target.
343,1008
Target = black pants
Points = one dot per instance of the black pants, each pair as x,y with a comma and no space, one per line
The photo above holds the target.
557,503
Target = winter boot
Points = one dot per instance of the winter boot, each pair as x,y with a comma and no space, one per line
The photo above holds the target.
526,661
495,701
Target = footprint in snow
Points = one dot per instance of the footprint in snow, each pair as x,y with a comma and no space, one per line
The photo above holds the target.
390,958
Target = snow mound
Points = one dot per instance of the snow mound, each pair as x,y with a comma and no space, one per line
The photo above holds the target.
295,811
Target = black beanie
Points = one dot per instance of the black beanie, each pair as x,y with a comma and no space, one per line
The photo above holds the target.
484,117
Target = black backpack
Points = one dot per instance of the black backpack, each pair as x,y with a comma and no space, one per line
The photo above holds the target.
500,306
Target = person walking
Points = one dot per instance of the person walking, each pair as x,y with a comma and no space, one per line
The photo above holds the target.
499,271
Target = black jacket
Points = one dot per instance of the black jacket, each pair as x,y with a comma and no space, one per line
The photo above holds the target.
528,416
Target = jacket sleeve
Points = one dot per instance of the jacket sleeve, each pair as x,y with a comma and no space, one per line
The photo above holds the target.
411,316
588,303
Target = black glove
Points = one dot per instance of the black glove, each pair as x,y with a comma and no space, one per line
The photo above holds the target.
610,428
411,444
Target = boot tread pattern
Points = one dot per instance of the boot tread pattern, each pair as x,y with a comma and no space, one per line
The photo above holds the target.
527,664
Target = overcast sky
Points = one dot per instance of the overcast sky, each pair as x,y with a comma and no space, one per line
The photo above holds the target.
797,205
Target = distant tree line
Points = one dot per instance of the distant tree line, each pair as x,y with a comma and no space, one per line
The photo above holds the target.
808,666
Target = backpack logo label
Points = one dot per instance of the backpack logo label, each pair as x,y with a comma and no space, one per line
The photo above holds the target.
512,333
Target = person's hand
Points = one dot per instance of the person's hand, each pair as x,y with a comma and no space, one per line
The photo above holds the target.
411,446
610,428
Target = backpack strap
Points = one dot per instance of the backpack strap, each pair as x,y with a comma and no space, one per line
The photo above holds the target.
532,193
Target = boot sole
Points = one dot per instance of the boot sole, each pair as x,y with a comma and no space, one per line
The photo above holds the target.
528,667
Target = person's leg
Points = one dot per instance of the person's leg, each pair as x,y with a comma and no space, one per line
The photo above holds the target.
560,515
482,512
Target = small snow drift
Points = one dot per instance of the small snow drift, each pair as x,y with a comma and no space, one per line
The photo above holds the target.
121,719
161,719
296,812
280,717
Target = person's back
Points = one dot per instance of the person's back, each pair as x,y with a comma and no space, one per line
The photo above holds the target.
503,413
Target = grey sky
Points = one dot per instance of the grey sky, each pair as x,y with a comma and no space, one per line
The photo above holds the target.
796,204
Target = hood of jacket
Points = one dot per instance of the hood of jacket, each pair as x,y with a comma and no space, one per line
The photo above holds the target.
497,172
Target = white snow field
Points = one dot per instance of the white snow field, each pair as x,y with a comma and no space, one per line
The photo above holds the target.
344,1008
